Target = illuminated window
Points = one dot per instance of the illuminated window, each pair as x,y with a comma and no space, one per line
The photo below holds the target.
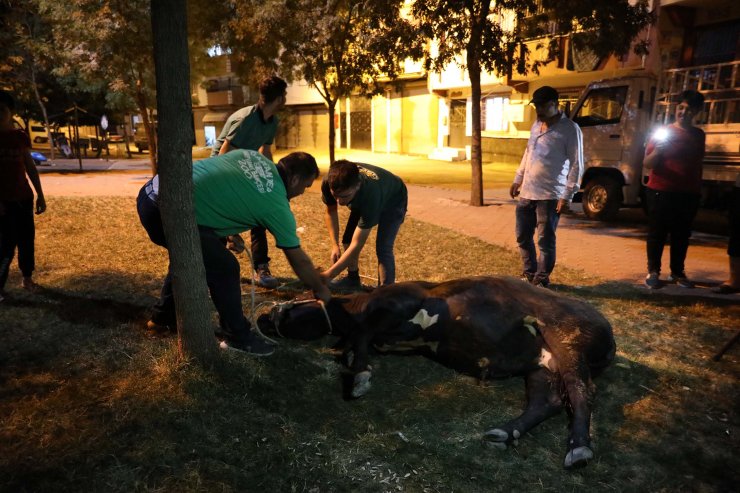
495,114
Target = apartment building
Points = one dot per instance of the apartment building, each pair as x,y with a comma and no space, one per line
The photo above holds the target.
430,113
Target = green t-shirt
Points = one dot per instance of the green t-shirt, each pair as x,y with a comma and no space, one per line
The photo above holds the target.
379,191
246,129
240,190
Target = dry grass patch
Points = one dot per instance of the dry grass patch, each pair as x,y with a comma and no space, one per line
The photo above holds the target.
89,402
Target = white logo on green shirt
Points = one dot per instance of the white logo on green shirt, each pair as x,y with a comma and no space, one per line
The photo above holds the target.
259,170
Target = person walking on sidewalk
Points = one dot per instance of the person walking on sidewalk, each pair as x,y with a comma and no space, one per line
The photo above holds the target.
233,193
376,197
674,155
254,128
548,176
17,229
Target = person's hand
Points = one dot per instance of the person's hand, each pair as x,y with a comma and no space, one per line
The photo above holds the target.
514,190
40,204
325,277
322,294
336,252
235,243
563,206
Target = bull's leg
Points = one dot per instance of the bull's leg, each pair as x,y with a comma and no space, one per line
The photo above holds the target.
578,386
543,402
360,365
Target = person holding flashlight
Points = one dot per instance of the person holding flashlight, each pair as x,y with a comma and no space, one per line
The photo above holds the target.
674,156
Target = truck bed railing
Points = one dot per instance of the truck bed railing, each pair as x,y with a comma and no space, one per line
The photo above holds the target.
719,83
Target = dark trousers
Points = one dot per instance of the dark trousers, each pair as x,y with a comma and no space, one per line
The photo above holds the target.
222,273
669,213
259,248
17,230
733,246
540,216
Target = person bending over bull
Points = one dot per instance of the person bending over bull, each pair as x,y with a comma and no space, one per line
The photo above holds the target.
233,193
378,198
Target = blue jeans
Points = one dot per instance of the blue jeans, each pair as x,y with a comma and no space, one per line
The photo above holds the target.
222,273
390,223
539,215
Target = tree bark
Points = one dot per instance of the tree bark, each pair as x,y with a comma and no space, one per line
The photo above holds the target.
476,161
332,130
172,69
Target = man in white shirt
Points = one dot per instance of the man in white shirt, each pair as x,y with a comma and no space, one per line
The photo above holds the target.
548,177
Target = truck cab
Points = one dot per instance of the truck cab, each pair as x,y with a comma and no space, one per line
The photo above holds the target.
614,116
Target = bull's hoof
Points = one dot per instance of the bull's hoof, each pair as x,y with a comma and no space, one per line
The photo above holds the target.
578,457
361,384
496,439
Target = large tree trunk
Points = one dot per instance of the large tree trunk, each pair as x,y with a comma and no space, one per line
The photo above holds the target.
332,130
476,164
172,68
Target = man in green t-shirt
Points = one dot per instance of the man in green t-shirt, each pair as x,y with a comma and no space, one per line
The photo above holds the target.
233,193
254,128
378,198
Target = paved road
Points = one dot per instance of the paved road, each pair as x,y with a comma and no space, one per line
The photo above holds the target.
610,251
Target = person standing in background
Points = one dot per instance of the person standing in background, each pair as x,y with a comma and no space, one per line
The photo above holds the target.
674,155
254,128
548,176
17,229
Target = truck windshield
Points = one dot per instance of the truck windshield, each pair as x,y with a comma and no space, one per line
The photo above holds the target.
602,106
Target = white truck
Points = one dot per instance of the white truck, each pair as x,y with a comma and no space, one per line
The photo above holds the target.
617,115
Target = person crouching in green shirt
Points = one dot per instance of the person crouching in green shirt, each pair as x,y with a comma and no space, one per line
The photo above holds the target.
380,199
233,193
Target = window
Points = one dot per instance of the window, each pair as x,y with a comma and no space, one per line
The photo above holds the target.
495,114
602,107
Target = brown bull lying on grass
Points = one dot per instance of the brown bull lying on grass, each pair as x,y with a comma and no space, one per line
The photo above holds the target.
487,327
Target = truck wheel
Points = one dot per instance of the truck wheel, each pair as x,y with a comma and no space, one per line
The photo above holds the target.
602,198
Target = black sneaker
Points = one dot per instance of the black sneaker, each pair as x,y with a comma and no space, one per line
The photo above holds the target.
652,280
527,277
541,282
253,344
265,278
347,283
681,281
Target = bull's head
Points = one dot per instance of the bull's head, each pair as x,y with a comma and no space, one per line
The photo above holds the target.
304,320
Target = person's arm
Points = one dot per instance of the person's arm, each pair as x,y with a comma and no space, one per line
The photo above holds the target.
575,171
266,150
226,147
306,272
519,176
653,156
332,225
351,255
33,175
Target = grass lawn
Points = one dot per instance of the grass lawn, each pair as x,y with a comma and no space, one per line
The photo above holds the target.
90,402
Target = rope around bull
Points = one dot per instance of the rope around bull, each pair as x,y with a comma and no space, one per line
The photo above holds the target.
287,304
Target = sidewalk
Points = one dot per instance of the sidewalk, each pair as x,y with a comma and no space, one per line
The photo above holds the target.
614,252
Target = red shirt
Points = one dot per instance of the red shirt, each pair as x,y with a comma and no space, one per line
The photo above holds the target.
681,167
14,146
